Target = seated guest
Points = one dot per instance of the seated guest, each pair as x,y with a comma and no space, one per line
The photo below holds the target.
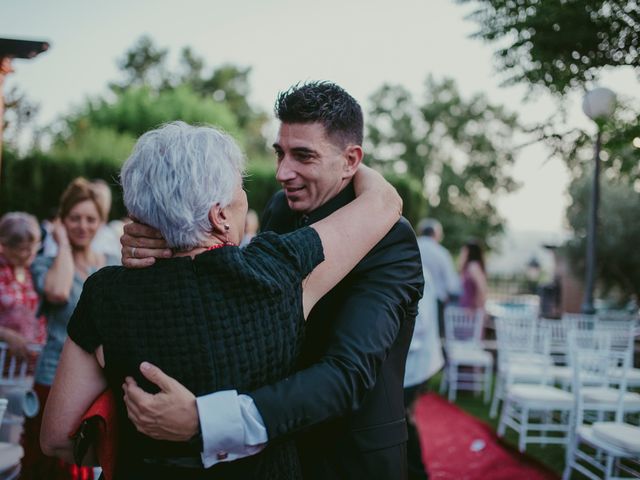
59,281
214,316
19,323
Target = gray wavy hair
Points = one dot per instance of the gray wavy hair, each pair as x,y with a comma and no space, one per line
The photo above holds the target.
175,174
18,227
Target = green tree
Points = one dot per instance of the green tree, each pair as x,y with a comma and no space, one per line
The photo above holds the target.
143,64
559,44
108,129
565,45
96,138
459,150
149,95
618,235
19,112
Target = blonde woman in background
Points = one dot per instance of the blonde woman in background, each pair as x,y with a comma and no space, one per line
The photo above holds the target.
59,280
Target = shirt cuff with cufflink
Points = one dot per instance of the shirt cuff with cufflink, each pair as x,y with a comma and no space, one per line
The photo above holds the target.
231,426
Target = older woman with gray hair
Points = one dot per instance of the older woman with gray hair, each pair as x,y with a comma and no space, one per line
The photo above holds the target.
19,323
214,316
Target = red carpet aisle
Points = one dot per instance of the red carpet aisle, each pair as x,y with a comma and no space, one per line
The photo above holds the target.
449,437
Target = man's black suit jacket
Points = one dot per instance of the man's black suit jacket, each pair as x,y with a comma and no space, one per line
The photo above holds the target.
349,382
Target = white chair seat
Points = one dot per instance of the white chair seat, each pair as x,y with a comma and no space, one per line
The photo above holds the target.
622,435
585,433
610,395
10,455
561,374
470,355
519,372
550,397
633,376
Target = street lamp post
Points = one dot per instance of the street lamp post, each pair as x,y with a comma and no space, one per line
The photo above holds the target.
598,105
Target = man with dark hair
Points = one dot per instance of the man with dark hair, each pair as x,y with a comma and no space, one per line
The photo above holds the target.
325,103
345,402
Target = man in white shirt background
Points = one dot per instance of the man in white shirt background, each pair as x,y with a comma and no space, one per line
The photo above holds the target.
438,262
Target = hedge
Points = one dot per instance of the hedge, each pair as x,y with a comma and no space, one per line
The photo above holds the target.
34,184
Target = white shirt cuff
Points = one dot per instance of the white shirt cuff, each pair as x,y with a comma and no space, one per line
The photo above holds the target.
231,425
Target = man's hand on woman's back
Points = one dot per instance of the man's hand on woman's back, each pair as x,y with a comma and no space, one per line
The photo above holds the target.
141,245
171,414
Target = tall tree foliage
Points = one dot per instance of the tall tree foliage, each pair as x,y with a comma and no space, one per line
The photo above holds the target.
143,64
459,150
621,158
565,45
617,248
94,139
151,93
19,112
560,44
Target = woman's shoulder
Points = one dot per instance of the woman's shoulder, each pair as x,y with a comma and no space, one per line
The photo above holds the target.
474,268
104,275
300,249
302,238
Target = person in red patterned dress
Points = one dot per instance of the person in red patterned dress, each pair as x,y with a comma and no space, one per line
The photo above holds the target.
19,323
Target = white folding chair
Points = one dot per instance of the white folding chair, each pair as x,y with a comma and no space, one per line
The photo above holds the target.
617,316
10,453
560,371
597,385
515,354
16,382
558,341
610,448
622,334
579,321
468,365
537,411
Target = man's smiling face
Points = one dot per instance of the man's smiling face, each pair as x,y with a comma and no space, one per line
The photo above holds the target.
311,168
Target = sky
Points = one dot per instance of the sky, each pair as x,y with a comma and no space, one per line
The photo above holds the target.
359,44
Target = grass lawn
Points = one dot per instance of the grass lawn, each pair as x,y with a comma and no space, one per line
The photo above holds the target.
552,456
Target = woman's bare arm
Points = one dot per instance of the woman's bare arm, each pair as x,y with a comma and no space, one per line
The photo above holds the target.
59,278
349,233
480,279
79,380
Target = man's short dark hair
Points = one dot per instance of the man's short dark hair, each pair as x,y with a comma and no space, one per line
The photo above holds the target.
326,103
429,231
428,227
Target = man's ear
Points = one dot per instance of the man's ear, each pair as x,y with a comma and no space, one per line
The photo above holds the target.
353,155
218,218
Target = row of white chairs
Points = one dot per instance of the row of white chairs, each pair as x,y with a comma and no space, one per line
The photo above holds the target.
556,357
606,447
543,378
543,410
